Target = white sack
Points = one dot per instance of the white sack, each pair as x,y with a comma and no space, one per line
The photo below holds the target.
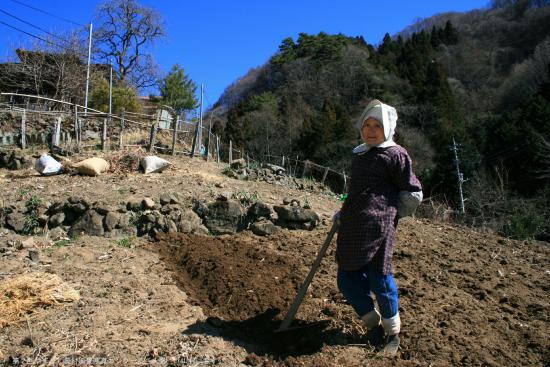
47,165
153,164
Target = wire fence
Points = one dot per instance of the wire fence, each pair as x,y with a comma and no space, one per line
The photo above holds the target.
69,127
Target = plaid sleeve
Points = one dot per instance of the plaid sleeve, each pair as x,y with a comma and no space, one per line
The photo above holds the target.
403,174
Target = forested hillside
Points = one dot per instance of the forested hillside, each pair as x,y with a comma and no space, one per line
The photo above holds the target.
480,77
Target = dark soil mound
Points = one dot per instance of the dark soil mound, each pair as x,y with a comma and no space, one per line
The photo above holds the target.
245,288
465,298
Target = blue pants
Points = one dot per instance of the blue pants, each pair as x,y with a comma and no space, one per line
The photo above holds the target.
356,287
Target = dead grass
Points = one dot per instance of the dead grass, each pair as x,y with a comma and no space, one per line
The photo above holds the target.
21,294
125,161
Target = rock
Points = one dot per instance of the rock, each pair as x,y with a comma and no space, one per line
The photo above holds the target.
56,220
238,164
78,200
169,198
57,234
171,227
232,174
169,208
56,207
174,198
287,200
102,208
263,228
16,221
34,255
134,204
151,218
223,217
278,170
201,209
189,222
27,243
164,199
258,210
111,220
148,203
296,214
91,223
89,135
42,220
295,217
125,220
224,196
219,185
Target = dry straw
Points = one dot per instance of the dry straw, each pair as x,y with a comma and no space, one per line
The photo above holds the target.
23,293
125,161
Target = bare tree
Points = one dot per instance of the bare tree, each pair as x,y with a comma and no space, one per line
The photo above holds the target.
126,29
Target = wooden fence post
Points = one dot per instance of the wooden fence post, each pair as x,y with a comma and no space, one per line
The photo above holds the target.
76,128
306,163
217,149
153,134
120,145
56,134
175,135
104,136
207,146
230,151
324,176
23,130
152,137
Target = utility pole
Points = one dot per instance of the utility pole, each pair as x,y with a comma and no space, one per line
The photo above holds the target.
459,176
111,90
88,70
197,139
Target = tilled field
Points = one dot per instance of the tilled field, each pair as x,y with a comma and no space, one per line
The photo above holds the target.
466,298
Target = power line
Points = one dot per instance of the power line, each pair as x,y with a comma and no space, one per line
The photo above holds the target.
32,25
30,34
48,13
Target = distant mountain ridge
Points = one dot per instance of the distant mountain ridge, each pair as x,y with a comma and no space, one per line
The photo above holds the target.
480,77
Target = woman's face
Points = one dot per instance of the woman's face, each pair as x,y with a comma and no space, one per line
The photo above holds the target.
373,132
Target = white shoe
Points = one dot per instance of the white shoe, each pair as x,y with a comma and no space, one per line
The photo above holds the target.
371,319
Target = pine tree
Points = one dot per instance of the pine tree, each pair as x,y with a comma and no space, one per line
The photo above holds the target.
178,90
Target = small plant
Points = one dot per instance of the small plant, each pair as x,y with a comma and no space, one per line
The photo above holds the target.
62,243
253,165
226,170
245,198
523,226
125,242
31,214
122,190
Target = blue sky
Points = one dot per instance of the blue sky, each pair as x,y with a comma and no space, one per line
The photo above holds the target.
217,42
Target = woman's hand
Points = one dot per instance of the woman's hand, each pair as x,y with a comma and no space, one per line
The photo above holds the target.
336,217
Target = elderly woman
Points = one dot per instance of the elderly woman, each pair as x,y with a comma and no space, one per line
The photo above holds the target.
382,189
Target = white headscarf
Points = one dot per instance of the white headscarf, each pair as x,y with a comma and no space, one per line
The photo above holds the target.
386,115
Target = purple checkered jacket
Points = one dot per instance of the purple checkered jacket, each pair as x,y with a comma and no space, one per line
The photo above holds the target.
368,218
